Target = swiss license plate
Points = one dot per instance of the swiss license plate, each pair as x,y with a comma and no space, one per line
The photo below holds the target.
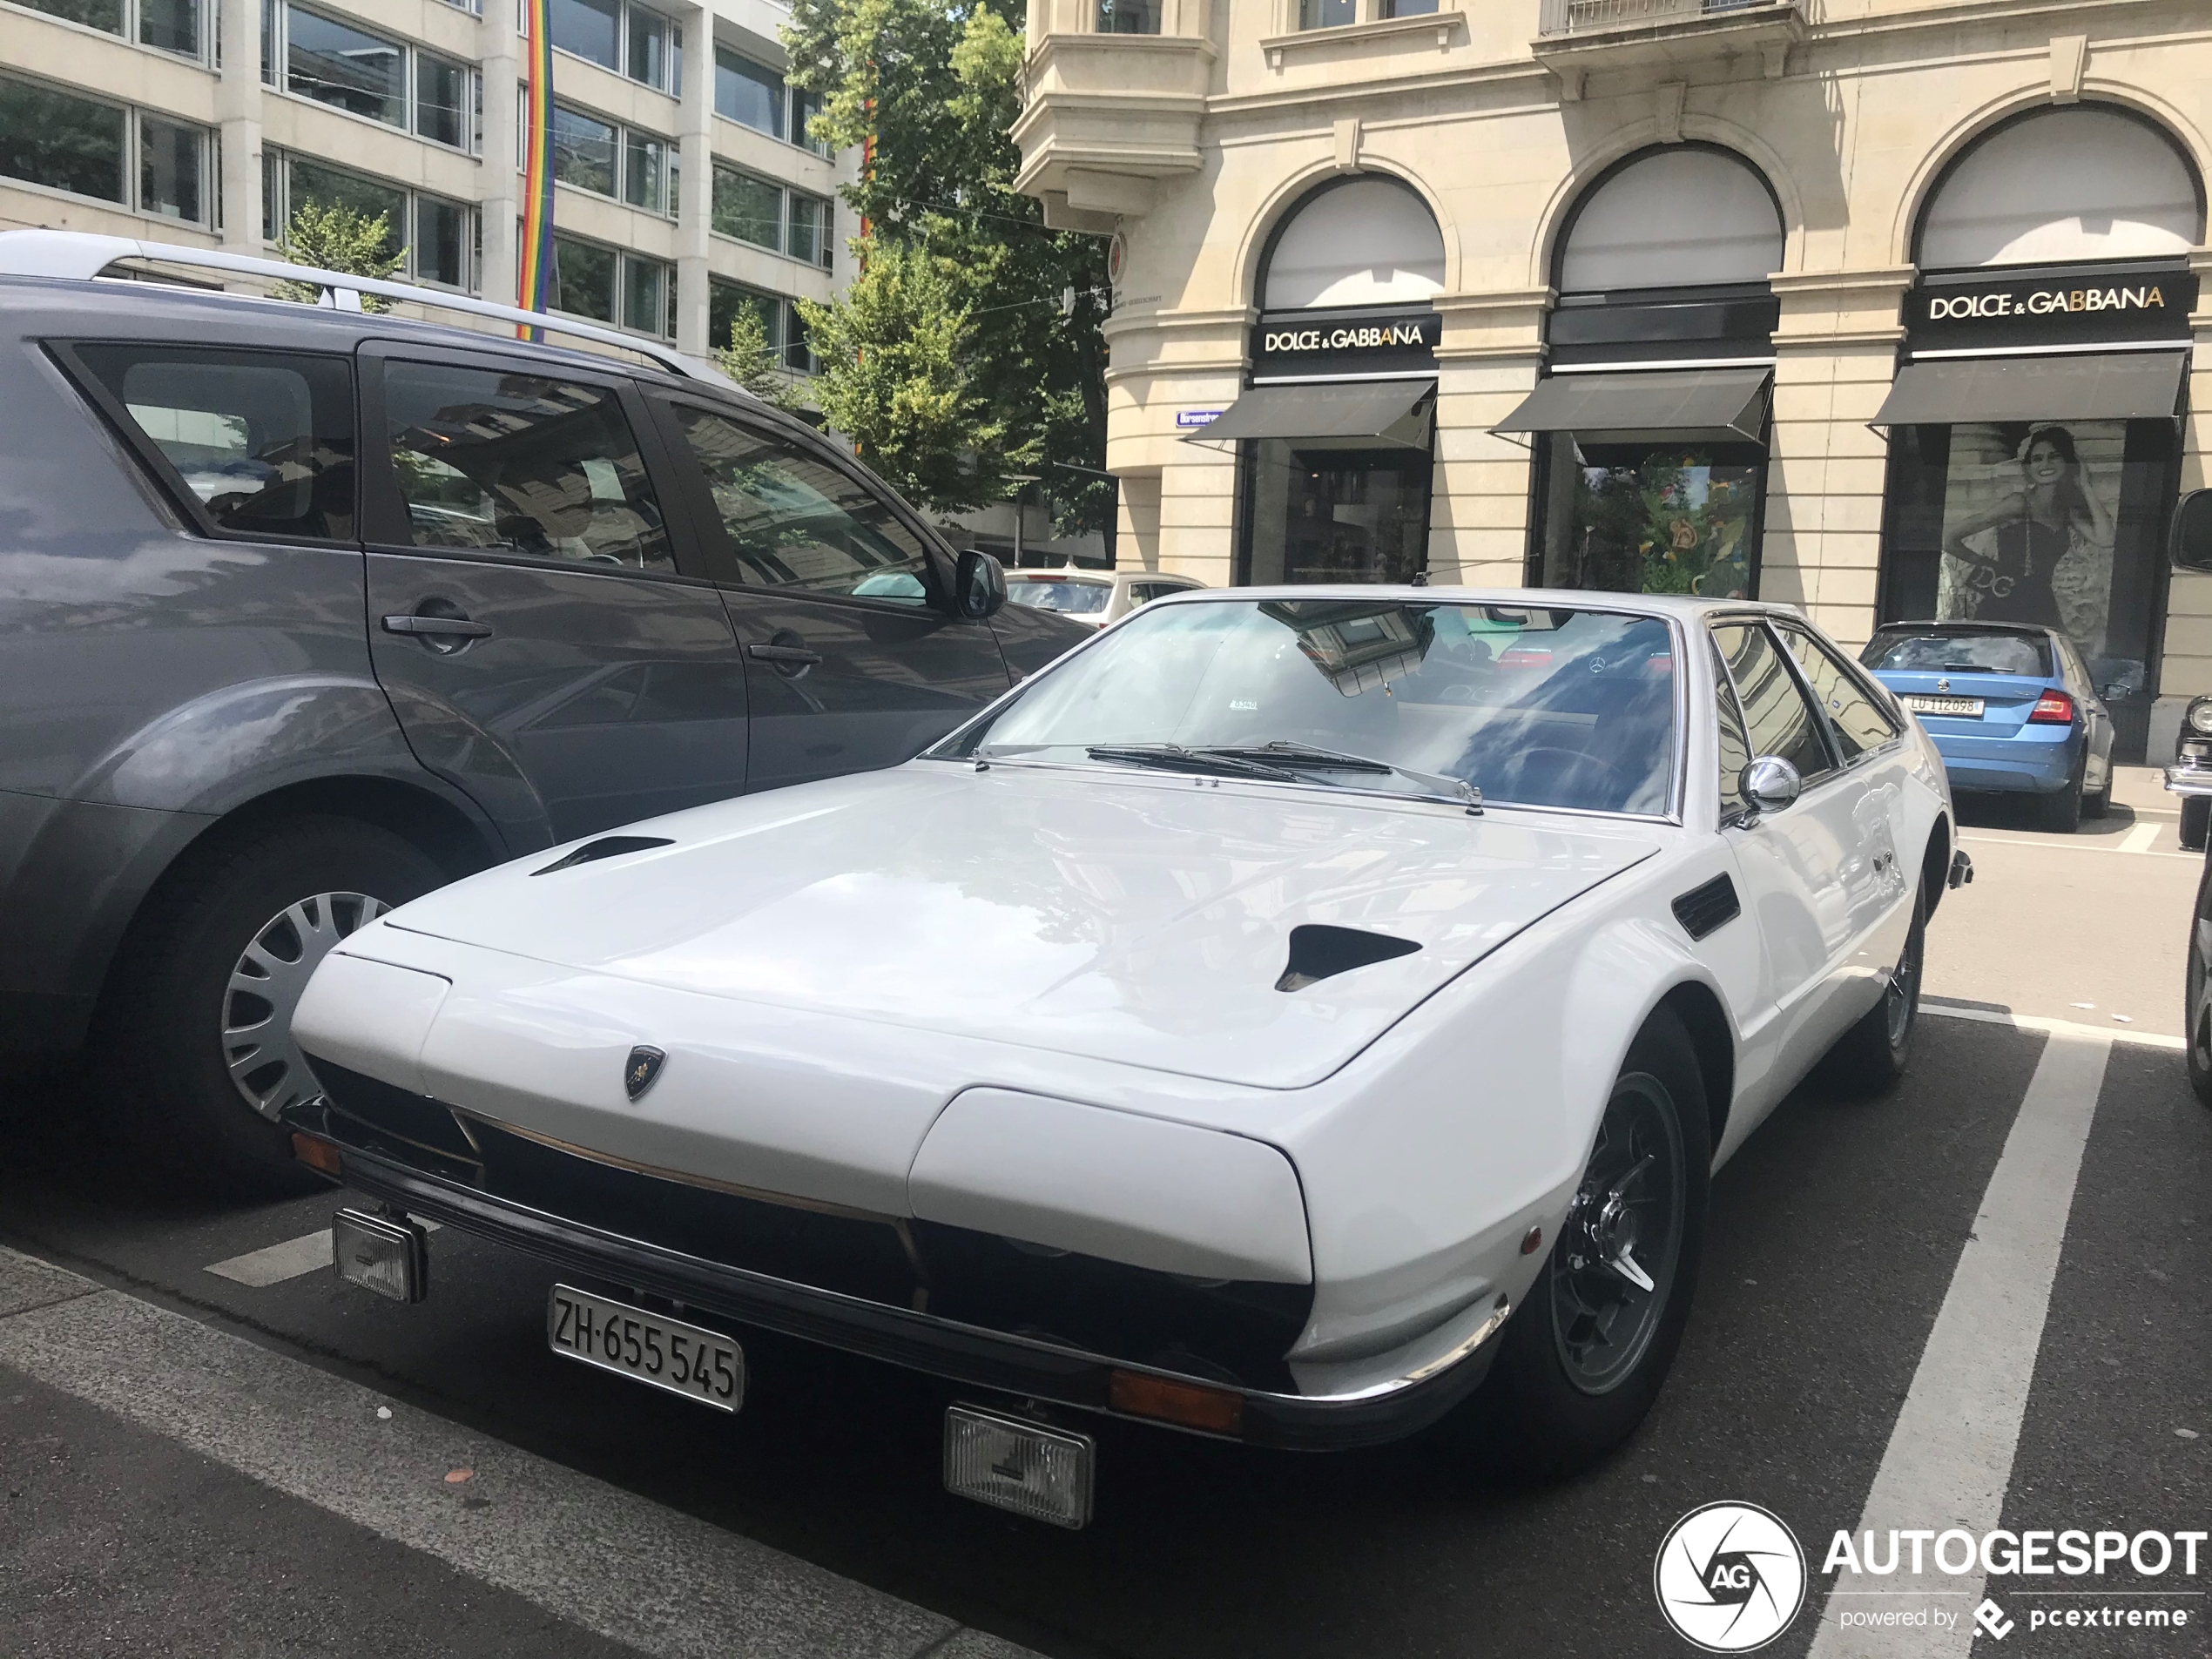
699,1365
1966,707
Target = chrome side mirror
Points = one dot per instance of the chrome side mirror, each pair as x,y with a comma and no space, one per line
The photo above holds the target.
979,585
1770,784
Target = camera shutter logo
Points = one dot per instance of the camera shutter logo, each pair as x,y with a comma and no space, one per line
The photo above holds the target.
1730,1577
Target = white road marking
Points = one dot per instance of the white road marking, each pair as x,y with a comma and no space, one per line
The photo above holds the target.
2139,839
2055,1027
1950,1455
615,1563
2056,843
275,1263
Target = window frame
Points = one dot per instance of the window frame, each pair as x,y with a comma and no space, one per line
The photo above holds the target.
380,510
279,200
1762,621
163,471
132,31
671,160
620,67
717,556
782,98
276,73
130,159
1784,627
622,258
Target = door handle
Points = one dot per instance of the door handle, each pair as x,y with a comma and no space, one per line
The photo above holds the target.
788,659
444,627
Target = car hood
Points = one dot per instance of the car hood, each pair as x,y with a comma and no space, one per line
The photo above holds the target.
1145,919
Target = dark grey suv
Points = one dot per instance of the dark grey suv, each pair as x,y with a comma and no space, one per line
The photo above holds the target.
304,611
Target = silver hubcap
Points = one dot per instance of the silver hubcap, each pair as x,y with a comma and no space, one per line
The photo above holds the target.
266,1065
1613,1269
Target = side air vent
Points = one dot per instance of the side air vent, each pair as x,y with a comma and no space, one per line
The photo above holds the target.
1319,952
607,847
1704,909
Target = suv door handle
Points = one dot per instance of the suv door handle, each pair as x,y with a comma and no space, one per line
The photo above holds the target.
445,627
798,657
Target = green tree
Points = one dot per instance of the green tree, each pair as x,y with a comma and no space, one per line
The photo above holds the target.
333,237
748,359
896,377
935,86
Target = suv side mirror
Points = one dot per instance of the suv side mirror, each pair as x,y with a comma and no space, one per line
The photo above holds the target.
1770,784
2189,545
979,585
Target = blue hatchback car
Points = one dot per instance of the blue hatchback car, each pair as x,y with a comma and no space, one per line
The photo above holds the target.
2010,709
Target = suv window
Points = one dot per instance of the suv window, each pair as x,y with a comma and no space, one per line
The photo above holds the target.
510,462
1782,723
794,521
262,440
1861,724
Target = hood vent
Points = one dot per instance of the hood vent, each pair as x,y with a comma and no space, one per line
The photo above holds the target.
1319,952
607,847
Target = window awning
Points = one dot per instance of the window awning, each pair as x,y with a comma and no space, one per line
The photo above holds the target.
1687,404
2117,386
1344,415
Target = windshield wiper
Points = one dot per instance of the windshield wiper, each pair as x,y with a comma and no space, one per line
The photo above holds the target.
1173,757
1440,785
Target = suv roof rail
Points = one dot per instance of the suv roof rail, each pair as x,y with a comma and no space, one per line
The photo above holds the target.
82,255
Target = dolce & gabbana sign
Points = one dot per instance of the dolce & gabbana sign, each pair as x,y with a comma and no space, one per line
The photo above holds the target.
1368,339
2080,305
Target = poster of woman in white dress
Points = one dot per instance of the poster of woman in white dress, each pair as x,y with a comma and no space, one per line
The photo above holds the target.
2028,522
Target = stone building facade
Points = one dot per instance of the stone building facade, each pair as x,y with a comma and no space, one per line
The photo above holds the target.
1782,297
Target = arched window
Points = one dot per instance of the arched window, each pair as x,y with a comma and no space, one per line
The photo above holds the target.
1685,216
1367,241
2057,185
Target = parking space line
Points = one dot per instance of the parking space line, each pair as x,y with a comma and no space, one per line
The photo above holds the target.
1950,1455
2062,844
2139,839
275,1263
2055,1027
615,1563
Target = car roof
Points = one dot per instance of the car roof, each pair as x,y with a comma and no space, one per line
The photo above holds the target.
127,308
1684,607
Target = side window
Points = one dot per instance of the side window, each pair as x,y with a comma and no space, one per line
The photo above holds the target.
796,522
263,441
1779,719
520,463
1735,745
1861,724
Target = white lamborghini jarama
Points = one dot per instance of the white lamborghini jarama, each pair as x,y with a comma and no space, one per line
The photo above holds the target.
1296,1016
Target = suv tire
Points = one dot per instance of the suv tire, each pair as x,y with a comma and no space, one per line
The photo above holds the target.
184,1037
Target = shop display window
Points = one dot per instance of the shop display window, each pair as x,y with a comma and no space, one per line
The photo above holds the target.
2055,523
1335,515
1650,518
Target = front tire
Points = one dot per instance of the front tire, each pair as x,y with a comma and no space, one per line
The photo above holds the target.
1870,1059
195,1030
1581,1361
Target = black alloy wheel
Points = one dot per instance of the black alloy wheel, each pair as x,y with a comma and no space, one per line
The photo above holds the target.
1870,1059
1581,1360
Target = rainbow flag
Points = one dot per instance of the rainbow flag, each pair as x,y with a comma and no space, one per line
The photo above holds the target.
537,286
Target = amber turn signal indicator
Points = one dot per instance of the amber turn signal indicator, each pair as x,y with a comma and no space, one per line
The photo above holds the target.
316,1154
1217,1410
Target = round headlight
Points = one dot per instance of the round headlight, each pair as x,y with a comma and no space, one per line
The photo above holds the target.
2201,715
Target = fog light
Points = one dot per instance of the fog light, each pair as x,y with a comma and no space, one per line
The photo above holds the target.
316,1154
1216,1410
1042,1473
389,1257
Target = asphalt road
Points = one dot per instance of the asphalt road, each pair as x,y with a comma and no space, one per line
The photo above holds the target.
191,1463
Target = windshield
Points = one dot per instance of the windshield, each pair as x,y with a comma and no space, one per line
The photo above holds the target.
1081,597
1550,708
1972,653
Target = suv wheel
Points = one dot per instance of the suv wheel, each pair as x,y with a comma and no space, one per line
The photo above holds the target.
197,1027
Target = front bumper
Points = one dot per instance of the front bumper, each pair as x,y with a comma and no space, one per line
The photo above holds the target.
2189,780
425,1182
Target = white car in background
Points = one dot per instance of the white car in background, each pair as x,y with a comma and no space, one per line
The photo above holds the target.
1294,1015
1098,597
